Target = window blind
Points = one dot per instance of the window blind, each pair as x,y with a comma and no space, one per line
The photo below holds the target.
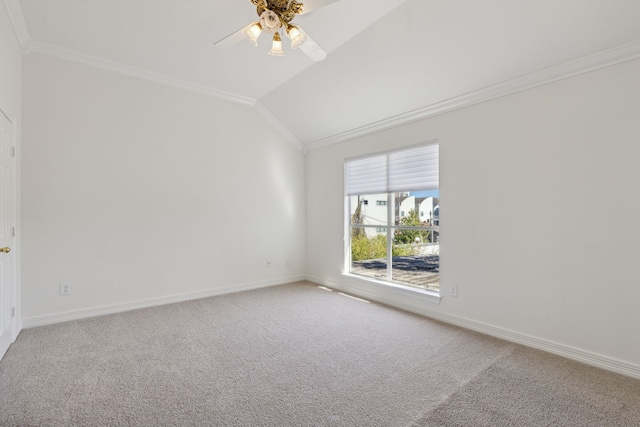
415,169
367,176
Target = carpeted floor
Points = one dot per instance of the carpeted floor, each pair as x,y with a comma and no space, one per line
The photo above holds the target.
295,355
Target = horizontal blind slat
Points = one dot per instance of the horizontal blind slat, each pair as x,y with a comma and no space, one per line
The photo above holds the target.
415,169
367,176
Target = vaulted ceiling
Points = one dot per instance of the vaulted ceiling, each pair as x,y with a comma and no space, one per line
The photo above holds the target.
389,61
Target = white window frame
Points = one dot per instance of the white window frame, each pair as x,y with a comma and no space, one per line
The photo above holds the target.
432,296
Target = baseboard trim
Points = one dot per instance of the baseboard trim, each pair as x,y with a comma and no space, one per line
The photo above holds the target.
589,358
151,302
16,330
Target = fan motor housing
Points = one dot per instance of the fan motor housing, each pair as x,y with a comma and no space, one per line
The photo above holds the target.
285,9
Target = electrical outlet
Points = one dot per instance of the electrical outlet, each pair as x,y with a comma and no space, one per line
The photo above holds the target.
268,264
65,289
287,263
453,291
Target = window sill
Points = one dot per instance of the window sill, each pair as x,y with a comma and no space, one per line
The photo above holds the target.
381,290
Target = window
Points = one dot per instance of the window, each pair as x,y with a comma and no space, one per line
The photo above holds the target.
394,241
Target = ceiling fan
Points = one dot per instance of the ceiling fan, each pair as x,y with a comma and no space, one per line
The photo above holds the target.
275,19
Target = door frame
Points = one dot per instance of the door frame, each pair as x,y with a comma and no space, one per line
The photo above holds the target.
16,321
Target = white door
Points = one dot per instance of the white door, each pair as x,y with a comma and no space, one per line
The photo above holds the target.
7,232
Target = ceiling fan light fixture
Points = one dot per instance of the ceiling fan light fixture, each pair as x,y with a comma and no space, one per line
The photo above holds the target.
274,18
297,36
276,48
252,32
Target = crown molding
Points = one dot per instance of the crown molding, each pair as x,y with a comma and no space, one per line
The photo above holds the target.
284,131
116,67
120,68
28,45
609,57
19,25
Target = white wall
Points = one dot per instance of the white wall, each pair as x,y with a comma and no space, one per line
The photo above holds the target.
131,192
427,210
373,213
10,67
540,273
406,206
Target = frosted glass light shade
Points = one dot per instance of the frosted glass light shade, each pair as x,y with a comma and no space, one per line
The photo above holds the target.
252,32
296,35
276,48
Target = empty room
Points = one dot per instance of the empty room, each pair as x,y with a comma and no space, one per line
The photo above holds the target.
319,212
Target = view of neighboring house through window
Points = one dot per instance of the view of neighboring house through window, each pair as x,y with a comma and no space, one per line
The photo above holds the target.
394,217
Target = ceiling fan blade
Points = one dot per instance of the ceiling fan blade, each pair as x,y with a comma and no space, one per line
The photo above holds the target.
231,40
313,51
311,5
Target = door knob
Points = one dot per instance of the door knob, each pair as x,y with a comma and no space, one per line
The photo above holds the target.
5,250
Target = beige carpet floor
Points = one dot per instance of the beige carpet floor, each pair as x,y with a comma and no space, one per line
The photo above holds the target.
295,355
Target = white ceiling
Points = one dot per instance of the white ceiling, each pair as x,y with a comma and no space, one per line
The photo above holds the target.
390,61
